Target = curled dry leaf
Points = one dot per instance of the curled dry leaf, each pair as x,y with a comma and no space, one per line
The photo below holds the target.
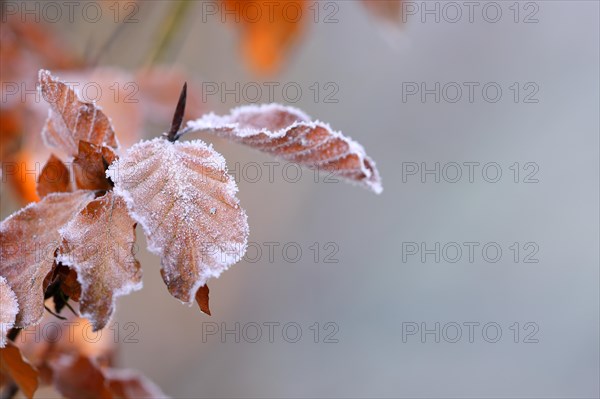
185,201
55,178
8,310
71,119
89,166
288,133
202,299
98,244
18,369
28,240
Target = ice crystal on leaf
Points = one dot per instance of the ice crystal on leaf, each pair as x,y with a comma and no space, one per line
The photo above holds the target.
98,245
288,133
170,189
29,239
8,309
71,119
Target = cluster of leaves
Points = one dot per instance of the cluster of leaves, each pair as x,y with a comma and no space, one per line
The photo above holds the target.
77,242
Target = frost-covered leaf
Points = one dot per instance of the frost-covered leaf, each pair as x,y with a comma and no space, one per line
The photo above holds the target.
13,364
55,178
8,310
89,166
98,244
185,201
28,241
202,299
71,119
288,133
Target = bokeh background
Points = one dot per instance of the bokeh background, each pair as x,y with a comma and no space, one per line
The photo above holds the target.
371,293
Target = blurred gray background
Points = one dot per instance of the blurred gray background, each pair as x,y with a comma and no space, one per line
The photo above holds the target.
371,295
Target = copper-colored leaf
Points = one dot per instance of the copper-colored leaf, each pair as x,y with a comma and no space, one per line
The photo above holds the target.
98,245
128,384
268,33
89,166
8,310
202,299
71,119
77,377
28,240
55,178
20,371
185,201
288,133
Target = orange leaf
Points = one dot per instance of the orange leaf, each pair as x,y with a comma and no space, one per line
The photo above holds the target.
185,201
71,120
90,164
98,245
268,33
55,178
288,133
202,299
28,240
22,373
8,310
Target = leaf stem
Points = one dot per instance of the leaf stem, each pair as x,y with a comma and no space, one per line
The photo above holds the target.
173,135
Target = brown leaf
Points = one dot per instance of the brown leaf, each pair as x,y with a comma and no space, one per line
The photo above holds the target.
202,299
128,384
90,164
20,371
288,133
8,310
28,241
77,377
185,201
66,279
71,120
55,178
98,244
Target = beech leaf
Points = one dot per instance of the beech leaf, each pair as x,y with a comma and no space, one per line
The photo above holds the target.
54,178
89,166
28,240
18,368
98,244
71,119
8,310
185,201
288,133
